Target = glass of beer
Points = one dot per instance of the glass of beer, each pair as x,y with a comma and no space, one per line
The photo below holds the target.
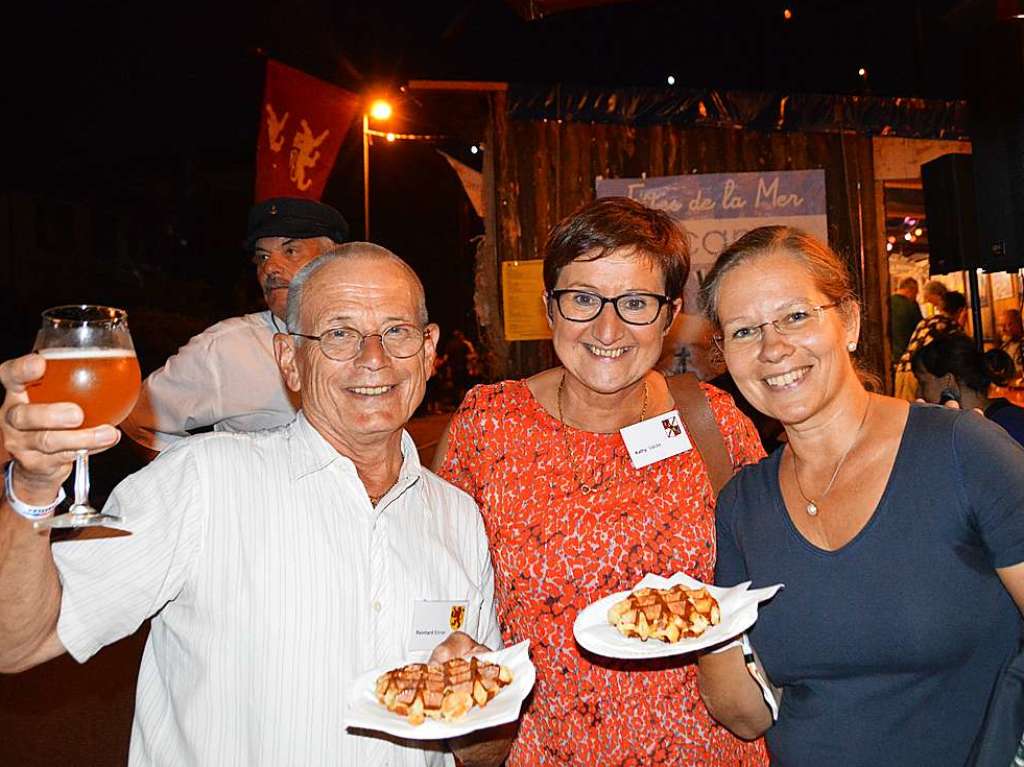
90,360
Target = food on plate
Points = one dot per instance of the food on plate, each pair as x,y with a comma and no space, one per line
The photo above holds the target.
441,690
667,614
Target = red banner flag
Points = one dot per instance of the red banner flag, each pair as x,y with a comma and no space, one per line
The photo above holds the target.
302,125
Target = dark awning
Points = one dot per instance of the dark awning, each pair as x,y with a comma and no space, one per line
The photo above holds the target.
872,115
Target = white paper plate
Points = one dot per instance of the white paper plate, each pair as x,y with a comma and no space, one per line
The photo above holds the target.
366,712
738,607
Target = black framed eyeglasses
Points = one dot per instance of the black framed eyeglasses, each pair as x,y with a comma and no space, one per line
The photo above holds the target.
632,308
342,344
793,322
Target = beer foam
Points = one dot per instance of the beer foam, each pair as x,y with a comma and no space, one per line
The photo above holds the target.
89,352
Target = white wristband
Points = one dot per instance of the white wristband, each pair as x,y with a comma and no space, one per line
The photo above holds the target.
29,512
772,695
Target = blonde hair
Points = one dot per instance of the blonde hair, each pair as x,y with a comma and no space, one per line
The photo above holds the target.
826,268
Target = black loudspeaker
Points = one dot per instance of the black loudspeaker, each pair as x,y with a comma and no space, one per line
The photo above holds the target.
995,85
949,203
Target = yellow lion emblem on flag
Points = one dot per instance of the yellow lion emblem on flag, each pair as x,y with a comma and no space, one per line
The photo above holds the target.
457,617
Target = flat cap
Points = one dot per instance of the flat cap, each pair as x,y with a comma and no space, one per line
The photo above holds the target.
294,217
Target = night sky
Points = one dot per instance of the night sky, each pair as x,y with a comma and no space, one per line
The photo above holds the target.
150,111
102,77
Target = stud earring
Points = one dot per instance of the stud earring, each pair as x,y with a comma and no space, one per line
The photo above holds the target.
851,347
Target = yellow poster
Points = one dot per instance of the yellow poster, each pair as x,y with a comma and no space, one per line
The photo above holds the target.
522,291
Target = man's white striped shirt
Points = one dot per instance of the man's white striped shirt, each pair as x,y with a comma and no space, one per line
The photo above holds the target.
274,583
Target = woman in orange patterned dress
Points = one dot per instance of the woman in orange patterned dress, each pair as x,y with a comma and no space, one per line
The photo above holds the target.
569,518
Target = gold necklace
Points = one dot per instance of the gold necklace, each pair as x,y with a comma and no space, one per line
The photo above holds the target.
375,499
812,505
585,488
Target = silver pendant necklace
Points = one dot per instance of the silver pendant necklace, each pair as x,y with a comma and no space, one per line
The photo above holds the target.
812,507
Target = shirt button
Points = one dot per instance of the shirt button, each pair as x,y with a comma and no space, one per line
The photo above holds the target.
376,606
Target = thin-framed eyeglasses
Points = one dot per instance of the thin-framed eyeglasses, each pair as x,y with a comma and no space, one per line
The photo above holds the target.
585,305
795,321
342,344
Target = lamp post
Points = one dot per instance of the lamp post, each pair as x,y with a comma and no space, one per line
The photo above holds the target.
379,110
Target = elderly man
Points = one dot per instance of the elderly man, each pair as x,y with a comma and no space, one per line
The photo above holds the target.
905,314
277,565
226,377
1011,332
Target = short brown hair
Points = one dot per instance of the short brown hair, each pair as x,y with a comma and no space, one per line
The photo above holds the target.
612,224
826,268
935,288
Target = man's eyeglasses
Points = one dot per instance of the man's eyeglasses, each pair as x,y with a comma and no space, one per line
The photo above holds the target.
342,344
793,322
632,308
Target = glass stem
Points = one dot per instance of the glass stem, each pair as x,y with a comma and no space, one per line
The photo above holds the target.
81,505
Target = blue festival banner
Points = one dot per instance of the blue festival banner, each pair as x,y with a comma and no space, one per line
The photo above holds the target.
714,210
717,208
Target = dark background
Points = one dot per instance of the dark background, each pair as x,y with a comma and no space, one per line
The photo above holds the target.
130,128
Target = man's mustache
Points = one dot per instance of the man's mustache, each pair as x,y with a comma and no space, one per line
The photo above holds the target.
273,285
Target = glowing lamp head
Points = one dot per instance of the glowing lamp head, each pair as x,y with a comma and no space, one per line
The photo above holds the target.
380,110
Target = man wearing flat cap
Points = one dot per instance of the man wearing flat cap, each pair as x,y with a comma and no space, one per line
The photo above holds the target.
226,377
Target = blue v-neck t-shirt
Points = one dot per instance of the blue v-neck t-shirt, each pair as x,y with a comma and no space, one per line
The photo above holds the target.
887,649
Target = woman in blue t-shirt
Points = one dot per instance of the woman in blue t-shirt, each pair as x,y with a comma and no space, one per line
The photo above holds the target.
953,368
897,529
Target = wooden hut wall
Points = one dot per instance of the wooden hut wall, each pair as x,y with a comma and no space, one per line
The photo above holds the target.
544,170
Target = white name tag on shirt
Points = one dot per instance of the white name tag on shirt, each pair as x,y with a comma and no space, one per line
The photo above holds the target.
433,620
655,439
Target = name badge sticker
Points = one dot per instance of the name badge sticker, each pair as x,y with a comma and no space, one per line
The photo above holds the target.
433,620
655,439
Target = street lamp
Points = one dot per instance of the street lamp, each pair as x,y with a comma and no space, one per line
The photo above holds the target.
379,110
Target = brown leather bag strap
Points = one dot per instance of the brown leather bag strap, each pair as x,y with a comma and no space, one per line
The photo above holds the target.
701,426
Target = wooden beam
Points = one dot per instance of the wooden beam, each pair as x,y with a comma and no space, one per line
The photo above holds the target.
900,159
